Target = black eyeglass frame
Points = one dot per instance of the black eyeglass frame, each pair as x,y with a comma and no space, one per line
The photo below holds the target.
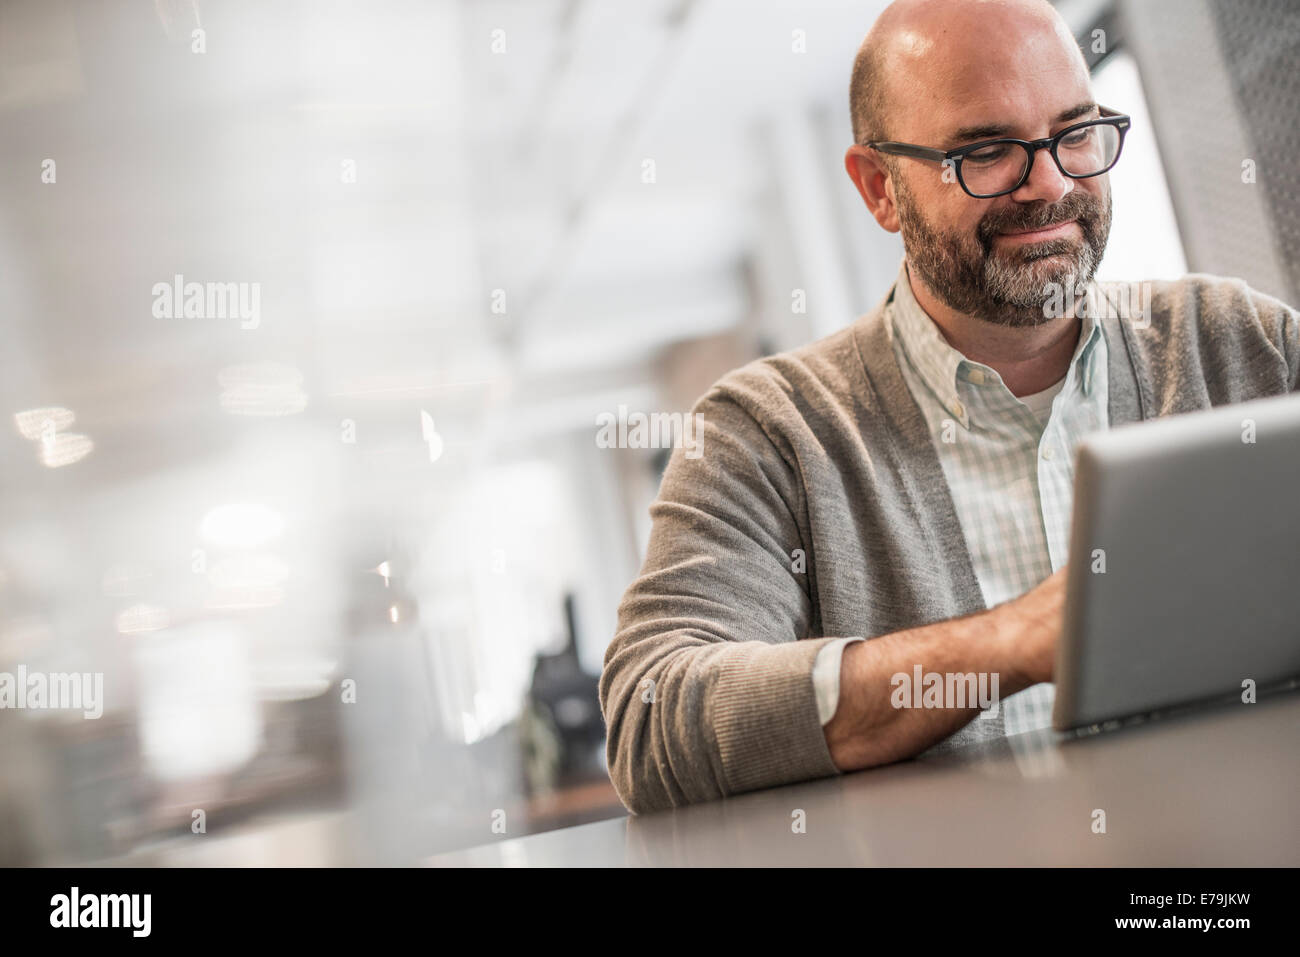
1108,117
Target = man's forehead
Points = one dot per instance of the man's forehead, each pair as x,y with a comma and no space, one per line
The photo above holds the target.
953,104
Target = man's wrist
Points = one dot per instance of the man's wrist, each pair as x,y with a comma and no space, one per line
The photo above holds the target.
1017,626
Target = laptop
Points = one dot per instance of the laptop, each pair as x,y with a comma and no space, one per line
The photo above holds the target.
1184,577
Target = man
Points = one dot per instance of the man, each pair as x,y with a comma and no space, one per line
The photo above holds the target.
907,480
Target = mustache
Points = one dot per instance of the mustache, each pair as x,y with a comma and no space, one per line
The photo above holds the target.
1087,210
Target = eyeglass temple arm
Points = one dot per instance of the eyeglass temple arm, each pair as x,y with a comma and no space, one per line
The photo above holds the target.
907,149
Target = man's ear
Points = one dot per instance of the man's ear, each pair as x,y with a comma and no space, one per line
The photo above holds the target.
867,169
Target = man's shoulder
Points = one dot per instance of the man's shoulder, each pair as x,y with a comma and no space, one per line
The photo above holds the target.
1195,302
1218,324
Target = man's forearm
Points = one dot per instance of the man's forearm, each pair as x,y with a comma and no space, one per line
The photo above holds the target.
1015,641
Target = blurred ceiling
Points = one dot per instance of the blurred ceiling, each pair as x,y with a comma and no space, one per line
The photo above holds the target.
499,148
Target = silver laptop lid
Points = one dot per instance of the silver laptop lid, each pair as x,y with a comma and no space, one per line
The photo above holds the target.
1184,577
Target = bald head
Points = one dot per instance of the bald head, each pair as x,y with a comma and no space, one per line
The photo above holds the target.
934,57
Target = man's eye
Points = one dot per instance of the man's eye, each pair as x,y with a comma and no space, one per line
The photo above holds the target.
1078,137
988,154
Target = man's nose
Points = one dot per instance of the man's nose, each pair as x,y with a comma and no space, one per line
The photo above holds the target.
1046,181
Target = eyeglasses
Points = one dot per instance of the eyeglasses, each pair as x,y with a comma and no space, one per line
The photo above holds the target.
997,167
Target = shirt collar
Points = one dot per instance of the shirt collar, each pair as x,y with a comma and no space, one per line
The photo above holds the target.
946,371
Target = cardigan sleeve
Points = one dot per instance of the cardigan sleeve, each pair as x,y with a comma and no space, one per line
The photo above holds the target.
707,690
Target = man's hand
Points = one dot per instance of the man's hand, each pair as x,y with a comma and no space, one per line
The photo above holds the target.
1041,614
1016,639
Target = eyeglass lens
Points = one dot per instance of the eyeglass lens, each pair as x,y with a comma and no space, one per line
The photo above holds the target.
1000,166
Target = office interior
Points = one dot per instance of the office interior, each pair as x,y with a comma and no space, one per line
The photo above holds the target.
347,552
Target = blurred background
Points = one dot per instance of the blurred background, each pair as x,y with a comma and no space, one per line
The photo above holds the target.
335,523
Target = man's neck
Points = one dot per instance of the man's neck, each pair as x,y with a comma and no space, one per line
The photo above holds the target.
1029,359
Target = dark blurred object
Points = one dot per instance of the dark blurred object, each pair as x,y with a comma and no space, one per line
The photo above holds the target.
561,727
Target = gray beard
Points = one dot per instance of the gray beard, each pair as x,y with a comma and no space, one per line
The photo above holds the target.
1022,286
1005,288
